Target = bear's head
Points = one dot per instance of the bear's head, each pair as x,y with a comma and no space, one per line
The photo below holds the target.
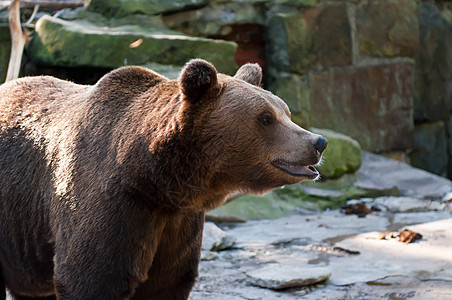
245,131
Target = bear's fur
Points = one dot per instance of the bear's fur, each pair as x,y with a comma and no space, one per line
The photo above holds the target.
103,188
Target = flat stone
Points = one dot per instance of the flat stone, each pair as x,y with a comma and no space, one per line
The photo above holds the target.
278,276
56,41
381,106
429,258
375,187
316,228
401,219
407,204
322,193
410,181
395,287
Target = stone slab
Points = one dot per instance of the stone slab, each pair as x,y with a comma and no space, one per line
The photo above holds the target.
279,276
83,43
410,181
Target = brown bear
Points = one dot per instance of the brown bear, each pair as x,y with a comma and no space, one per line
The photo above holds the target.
104,187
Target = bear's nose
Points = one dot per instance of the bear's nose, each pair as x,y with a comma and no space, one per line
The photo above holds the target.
321,144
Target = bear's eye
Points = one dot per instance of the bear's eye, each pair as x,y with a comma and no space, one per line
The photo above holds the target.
266,119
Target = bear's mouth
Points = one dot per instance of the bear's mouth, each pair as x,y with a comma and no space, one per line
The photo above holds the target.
298,170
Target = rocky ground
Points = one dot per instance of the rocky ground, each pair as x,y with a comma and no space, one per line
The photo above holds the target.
337,254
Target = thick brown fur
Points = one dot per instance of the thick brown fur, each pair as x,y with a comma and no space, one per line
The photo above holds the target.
103,188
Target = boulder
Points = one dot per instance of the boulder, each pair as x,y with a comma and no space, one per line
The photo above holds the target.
5,49
121,8
343,154
397,32
214,239
430,148
371,104
58,42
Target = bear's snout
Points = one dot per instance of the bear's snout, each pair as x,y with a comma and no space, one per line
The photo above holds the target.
320,144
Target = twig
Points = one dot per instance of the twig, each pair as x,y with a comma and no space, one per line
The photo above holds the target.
18,40
33,15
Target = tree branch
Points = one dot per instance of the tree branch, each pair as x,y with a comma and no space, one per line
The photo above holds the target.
18,40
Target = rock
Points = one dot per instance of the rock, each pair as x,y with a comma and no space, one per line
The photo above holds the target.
430,148
407,204
5,49
433,100
402,219
56,43
121,8
377,112
330,41
397,33
215,18
322,192
287,39
359,209
208,255
315,228
215,239
315,39
382,258
395,287
410,181
277,276
343,154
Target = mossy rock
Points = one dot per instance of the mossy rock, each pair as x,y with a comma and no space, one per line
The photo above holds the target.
83,43
343,154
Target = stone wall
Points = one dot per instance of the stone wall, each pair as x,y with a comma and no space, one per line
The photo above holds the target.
379,71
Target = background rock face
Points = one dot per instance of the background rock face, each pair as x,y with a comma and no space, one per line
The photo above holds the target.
397,33
371,104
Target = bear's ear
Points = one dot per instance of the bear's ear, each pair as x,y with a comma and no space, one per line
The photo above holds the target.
196,78
251,73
